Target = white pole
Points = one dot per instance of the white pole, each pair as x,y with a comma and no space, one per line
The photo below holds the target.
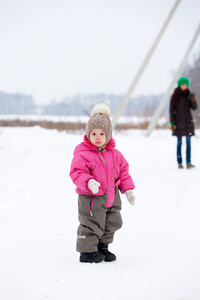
165,98
140,71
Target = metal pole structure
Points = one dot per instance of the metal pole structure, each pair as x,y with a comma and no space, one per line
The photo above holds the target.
140,71
164,100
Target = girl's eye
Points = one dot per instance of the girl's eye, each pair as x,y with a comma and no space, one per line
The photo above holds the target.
93,133
102,133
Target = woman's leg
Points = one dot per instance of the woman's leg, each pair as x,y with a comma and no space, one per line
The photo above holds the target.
188,152
188,149
179,144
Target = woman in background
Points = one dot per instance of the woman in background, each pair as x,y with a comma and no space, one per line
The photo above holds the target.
182,101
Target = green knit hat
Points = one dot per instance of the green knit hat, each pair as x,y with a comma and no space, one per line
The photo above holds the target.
183,80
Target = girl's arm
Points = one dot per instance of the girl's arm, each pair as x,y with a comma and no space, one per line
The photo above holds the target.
126,181
80,173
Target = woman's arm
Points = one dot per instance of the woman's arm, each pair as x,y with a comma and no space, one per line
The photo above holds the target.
193,103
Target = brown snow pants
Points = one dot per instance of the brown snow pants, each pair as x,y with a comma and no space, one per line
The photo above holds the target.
98,225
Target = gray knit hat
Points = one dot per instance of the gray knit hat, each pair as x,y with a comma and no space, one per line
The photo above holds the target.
100,119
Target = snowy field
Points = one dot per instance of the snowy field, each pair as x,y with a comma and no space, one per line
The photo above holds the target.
158,247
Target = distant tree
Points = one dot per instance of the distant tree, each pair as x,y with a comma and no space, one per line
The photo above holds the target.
16,103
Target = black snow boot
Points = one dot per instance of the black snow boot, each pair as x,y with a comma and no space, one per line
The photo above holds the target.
95,257
103,248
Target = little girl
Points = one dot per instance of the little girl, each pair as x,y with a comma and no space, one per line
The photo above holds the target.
99,171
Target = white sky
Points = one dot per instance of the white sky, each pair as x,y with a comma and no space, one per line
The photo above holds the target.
55,48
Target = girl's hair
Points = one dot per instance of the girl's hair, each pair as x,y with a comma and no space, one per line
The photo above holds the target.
177,94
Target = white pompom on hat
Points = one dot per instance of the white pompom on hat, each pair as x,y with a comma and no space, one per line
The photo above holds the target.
100,119
101,108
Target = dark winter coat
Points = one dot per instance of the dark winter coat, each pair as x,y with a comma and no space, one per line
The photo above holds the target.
180,112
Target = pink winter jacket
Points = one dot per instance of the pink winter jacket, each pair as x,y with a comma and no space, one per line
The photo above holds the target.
113,171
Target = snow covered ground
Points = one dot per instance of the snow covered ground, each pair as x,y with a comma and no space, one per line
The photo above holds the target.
158,247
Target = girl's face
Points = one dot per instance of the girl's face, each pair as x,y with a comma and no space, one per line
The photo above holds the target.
183,87
97,137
